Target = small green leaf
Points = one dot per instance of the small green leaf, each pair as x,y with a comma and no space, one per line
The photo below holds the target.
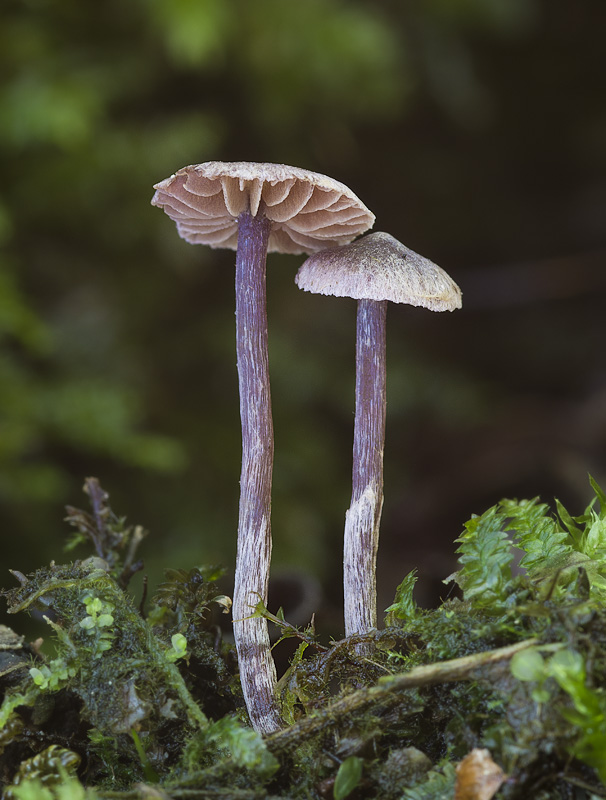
38,677
32,790
403,606
541,696
594,540
178,649
348,777
570,523
599,494
179,643
567,665
541,538
94,605
528,665
485,555
246,747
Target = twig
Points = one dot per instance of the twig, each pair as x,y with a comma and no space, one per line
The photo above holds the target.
144,792
458,669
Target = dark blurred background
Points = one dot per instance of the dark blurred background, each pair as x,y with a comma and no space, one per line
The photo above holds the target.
476,132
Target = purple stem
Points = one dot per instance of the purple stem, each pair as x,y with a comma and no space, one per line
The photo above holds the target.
257,669
362,519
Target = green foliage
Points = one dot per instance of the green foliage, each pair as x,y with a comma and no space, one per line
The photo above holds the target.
187,596
376,704
54,769
245,747
404,607
14,700
93,659
351,60
178,649
150,773
17,319
53,676
194,32
552,705
81,307
99,613
289,697
142,712
307,635
348,777
485,555
588,714
537,533
528,665
116,337
99,618
557,551
115,543
83,413
69,789
438,785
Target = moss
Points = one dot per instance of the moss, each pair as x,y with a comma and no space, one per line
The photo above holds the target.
513,665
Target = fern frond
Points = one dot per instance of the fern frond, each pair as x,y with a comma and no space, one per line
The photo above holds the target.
485,556
537,533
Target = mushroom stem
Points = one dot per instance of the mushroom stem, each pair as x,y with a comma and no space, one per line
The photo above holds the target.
257,669
364,514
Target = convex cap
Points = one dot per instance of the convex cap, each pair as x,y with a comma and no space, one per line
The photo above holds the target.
309,211
379,267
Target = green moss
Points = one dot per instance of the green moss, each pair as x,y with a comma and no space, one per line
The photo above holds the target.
514,665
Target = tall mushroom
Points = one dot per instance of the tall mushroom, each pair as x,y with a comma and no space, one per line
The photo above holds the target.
373,270
255,208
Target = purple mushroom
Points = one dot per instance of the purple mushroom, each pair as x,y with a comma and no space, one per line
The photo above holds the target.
374,270
255,208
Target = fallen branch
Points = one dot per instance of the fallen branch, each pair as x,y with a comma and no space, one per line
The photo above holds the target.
458,669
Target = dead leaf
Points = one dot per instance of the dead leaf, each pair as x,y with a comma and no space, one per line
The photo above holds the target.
478,777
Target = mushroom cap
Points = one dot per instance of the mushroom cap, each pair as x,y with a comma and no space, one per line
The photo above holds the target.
309,211
379,267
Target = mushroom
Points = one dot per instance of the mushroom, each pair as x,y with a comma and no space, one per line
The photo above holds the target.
253,208
373,270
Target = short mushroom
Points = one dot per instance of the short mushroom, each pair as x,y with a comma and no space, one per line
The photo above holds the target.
373,270
255,208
